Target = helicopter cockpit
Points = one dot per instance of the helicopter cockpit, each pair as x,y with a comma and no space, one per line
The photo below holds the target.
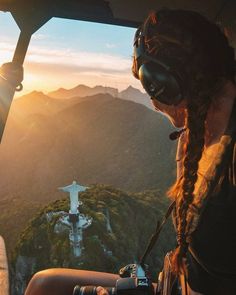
31,15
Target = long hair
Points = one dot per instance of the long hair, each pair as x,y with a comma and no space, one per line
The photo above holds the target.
200,51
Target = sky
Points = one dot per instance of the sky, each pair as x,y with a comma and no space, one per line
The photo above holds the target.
66,53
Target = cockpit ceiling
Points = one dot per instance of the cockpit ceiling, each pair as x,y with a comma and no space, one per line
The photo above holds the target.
121,12
34,13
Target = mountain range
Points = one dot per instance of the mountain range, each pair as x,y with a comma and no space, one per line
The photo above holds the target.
129,93
49,142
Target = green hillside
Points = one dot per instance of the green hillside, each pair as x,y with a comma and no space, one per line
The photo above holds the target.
132,217
15,214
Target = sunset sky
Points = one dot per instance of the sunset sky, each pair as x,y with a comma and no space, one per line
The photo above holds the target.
65,53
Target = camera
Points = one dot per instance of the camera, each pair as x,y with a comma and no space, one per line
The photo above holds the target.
134,280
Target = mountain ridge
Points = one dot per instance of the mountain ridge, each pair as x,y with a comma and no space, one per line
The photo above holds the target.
130,93
96,132
82,90
95,140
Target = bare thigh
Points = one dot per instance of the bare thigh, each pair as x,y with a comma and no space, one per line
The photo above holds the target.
61,281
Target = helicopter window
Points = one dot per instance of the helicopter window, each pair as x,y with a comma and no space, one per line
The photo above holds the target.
49,142
65,53
8,36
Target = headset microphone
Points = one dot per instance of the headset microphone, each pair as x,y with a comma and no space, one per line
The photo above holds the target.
176,134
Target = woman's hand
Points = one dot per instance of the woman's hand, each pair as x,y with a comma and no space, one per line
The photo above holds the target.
12,73
101,291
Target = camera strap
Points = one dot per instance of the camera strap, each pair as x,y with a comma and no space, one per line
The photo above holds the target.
156,234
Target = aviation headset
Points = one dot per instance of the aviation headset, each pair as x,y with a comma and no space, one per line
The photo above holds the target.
158,78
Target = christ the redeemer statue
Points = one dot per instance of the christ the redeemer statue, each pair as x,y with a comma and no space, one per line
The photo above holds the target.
74,189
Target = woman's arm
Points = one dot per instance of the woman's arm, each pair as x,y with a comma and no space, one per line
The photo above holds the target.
62,281
11,76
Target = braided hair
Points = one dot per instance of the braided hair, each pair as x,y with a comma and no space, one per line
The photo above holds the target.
201,52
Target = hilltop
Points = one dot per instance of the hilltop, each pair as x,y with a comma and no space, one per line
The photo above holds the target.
40,246
97,139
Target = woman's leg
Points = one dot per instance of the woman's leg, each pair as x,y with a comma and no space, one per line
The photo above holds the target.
61,281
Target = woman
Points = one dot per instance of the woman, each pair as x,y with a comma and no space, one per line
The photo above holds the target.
186,65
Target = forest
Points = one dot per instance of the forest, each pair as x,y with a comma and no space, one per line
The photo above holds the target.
133,218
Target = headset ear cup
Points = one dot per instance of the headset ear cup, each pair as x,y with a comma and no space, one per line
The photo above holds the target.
160,83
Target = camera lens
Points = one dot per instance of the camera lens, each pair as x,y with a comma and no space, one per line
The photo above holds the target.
84,290
91,290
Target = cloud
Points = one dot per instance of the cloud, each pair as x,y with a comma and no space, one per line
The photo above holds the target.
69,58
82,59
74,68
110,46
7,46
48,77
47,68
39,36
6,51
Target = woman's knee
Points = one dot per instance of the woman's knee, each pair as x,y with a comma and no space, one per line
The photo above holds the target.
44,283
62,281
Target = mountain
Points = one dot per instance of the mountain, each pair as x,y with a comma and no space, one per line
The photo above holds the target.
99,140
45,241
39,103
82,91
136,95
130,93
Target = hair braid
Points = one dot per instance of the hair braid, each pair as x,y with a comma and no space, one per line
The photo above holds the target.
196,116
